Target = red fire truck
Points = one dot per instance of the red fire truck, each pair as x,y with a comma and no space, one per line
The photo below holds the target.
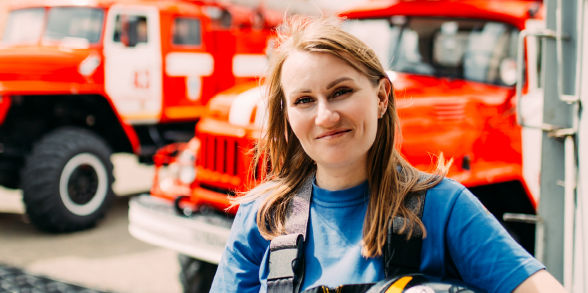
454,68
82,80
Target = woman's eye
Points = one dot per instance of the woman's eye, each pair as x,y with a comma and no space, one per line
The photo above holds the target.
302,100
341,91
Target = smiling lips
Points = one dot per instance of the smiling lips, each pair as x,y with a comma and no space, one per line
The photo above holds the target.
333,133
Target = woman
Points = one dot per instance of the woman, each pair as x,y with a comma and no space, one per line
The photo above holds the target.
331,96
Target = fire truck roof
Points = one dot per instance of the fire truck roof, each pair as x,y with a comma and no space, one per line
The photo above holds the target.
241,15
515,12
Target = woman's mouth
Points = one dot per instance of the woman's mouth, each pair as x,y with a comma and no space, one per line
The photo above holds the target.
333,133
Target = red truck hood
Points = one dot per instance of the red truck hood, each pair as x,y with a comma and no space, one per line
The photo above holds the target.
454,117
46,64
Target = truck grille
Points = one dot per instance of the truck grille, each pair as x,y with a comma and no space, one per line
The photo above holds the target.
220,154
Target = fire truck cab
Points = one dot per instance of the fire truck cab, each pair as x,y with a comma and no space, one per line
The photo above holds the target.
82,80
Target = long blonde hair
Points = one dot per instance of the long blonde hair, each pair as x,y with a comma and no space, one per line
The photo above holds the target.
390,176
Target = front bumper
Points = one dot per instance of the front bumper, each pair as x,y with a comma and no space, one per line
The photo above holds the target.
202,236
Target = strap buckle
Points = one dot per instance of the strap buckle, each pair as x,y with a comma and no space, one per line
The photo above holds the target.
285,258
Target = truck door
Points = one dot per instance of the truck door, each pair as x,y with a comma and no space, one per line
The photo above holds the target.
132,65
189,65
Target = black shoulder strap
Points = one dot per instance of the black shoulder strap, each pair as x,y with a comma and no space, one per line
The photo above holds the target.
286,258
401,255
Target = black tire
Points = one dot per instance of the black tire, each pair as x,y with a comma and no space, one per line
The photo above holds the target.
67,180
195,275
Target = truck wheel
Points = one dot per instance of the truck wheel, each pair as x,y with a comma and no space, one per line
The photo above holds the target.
195,275
67,180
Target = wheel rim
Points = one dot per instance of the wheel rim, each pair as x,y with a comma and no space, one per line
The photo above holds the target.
83,184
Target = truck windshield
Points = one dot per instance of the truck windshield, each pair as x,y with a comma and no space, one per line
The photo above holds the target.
476,50
23,26
64,24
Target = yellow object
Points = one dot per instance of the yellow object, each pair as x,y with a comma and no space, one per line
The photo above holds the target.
398,286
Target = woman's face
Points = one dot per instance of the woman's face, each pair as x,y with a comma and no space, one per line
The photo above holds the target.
332,108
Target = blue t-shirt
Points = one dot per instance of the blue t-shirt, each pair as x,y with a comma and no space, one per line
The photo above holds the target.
463,239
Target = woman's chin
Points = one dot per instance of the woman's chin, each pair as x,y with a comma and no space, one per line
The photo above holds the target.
337,164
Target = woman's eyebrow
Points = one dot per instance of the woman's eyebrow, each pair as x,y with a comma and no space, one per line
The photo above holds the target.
329,86
300,91
338,80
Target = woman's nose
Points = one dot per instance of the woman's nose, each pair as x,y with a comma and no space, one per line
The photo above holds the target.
326,116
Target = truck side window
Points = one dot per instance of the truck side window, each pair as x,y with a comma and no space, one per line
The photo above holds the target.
186,31
226,19
221,17
130,30
117,29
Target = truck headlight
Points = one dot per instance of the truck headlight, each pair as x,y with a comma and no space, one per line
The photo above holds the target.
176,167
187,167
187,174
89,65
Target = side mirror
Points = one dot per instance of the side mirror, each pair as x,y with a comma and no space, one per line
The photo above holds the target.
508,71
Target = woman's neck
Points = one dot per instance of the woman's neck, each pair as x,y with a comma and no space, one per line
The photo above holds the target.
340,178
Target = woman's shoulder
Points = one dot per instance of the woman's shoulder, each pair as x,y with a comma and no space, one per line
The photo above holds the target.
451,198
264,188
245,222
449,195
447,188
252,200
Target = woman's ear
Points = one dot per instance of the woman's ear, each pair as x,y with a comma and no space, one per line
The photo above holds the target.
384,88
